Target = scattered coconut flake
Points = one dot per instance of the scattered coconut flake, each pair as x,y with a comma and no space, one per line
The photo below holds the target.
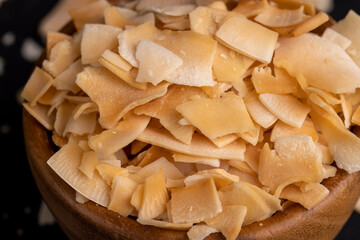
45,217
30,50
8,39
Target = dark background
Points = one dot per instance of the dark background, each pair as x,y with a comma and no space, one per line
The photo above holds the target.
20,199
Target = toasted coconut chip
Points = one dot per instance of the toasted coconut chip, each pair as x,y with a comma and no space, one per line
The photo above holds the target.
307,199
99,84
39,112
260,204
174,10
187,169
155,196
329,171
342,143
200,145
230,66
84,124
283,130
245,177
114,139
92,35
356,117
77,99
65,163
137,197
216,117
163,108
310,24
252,155
338,75
63,114
178,157
242,166
169,19
181,25
206,20
195,203
88,163
148,17
328,97
66,80
335,37
116,60
156,63
251,8
127,77
252,136
348,28
326,155
165,225
154,153
221,178
174,183
38,84
145,4
58,140
137,146
229,221
309,7
217,90
200,231
170,170
89,13
80,198
108,171
273,16
191,47
85,108
53,97
249,38
122,189
52,38
224,140
286,107
61,57
114,17
296,159
347,111
280,83
258,112
129,39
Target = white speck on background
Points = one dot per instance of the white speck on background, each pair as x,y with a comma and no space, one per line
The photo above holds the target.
5,129
8,39
2,66
45,217
30,50
27,210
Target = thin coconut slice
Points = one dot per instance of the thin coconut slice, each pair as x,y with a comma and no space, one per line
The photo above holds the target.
37,85
280,83
166,19
309,7
52,38
328,97
335,37
195,203
137,197
84,124
114,17
282,129
39,112
152,154
116,60
338,75
112,140
285,107
141,19
174,10
190,47
163,108
249,38
251,8
178,157
200,231
122,189
91,50
348,28
273,16
224,140
154,198
296,159
217,117
99,84
230,66
258,112
88,163
221,178
66,80
145,4
200,145
65,163
181,25
85,108
156,63
89,13
310,24
252,136
218,90
245,177
342,143
62,55
242,166
307,199
108,172
165,225
129,39
229,221
260,204
356,117
137,146
330,171
63,114
347,111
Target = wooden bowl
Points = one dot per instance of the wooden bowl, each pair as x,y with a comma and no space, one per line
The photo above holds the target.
91,221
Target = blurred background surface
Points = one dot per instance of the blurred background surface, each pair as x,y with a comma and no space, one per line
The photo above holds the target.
23,215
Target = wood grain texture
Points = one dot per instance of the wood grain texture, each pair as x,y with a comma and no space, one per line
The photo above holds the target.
90,221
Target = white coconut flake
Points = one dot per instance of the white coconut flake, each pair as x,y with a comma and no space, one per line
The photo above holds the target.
30,50
8,39
45,217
